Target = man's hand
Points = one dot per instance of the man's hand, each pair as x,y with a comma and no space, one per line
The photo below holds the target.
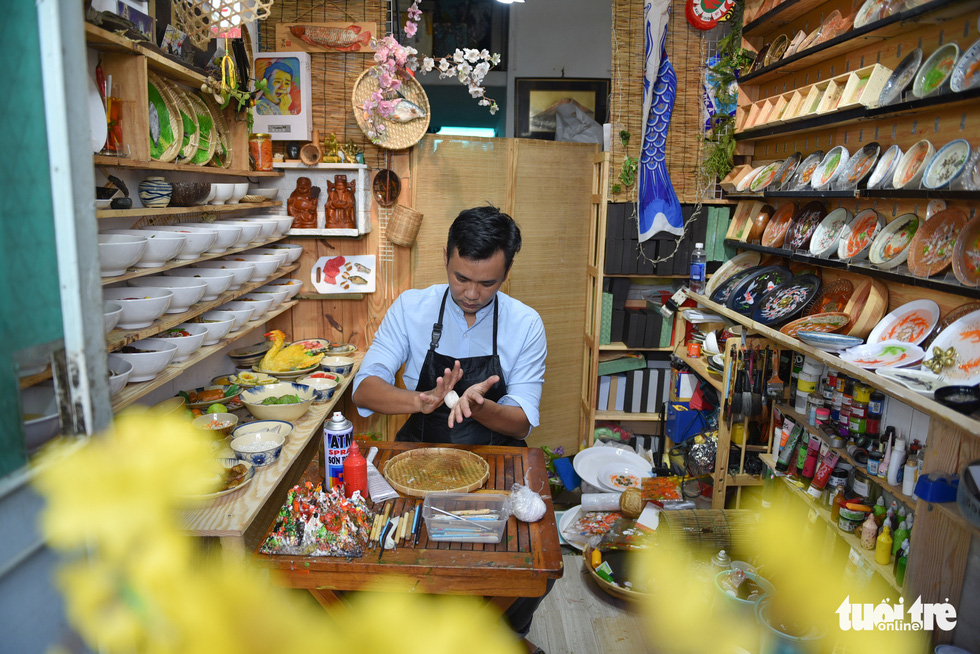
432,400
471,401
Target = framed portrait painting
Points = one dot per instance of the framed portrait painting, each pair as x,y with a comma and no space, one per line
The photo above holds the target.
538,99
284,109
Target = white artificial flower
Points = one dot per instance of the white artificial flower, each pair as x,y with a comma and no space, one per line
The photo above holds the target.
484,54
464,70
484,102
444,65
476,91
481,70
471,55
458,56
427,64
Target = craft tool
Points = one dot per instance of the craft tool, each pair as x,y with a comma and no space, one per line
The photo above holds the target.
383,536
453,515
378,487
415,524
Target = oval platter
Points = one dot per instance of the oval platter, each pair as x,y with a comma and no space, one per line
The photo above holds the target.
966,254
935,70
964,336
912,322
736,264
858,235
828,341
947,164
724,290
817,322
828,233
775,233
785,172
884,354
786,300
931,249
891,246
801,180
830,167
754,286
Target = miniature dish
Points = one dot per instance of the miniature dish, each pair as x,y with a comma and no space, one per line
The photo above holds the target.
746,182
900,77
283,222
227,236
323,387
947,164
282,427
785,300
186,292
961,336
935,70
870,11
254,397
141,305
828,233
734,265
188,337
858,235
617,476
217,324
908,174
776,50
931,249
278,293
268,193
754,287
884,354
785,172
966,254
829,168
148,356
964,76
240,306
912,322
830,321
248,379
117,252
804,172
858,167
291,285
281,255
765,177
258,448
204,396
891,246
776,230
884,172
923,382
293,252
250,354
218,281
339,365
239,315
267,226
220,424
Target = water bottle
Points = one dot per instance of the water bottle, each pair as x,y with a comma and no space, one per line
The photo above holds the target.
699,259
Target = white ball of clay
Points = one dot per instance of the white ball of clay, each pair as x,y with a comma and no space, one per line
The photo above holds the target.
452,397
526,505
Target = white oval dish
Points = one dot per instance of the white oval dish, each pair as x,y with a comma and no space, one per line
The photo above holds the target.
912,322
891,246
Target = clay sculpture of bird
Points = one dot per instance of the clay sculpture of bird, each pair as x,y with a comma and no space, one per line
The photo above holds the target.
292,357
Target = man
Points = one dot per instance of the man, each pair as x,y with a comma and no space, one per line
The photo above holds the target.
276,99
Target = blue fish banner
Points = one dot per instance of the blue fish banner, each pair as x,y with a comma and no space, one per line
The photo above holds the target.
659,208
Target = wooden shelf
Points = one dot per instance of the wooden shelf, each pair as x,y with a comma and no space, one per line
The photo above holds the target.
623,416
621,347
699,366
118,338
133,392
37,378
117,162
107,41
179,211
881,194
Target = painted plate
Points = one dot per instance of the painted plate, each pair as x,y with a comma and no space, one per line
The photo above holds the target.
228,464
832,26
964,335
786,300
909,171
775,234
931,249
777,49
746,181
827,234
588,462
804,224
900,78
818,322
754,286
858,235
891,246
736,264
885,170
827,341
869,12
785,172
923,382
811,39
724,290
947,164
831,298
885,354
965,76
163,124
794,44
765,176
912,322
760,59
936,70
830,166
966,254
801,180
957,313
618,477
858,167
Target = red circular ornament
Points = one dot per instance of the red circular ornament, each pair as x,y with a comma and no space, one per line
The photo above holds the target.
705,14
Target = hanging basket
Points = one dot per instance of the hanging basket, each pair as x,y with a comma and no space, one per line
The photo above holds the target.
396,136
403,227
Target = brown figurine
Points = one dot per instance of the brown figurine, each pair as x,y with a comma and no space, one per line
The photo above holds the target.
340,203
302,204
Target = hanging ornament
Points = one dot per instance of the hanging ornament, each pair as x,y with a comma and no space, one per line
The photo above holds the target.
705,14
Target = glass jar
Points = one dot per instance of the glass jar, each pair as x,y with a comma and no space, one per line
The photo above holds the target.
260,149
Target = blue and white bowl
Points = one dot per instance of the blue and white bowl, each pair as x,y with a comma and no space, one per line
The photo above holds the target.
282,427
258,448
323,387
829,342
155,192
339,365
252,398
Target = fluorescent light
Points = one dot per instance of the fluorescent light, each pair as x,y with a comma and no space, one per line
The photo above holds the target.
467,131
509,2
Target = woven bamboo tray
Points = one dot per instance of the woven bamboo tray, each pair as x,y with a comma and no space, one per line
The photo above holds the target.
397,136
436,470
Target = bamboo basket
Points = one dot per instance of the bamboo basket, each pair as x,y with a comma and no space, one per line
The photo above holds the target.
436,470
403,228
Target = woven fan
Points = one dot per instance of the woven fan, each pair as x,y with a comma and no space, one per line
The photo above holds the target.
436,470
209,135
166,128
396,136
222,152
188,117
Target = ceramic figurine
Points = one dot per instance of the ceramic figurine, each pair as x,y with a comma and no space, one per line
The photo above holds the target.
292,150
302,204
349,152
340,203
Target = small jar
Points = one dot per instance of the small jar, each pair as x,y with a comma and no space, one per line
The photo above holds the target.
857,425
874,460
862,393
814,404
838,479
260,147
823,415
876,404
860,484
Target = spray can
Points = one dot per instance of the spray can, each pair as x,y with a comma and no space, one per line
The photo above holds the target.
337,435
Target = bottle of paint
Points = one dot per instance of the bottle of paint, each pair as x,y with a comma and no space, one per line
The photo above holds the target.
883,549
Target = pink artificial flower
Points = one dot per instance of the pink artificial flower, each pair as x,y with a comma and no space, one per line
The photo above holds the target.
410,28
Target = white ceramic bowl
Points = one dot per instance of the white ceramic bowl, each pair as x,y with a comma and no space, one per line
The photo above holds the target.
39,414
323,387
117,252
222,192
225,419
122,368
111,312
252,398
251,232
262,301
339,365
263,266
207,198
241,271
258,448
155,355
238,306
160,247
278,293
218,324
238,316
186,291
195,242
282,427
292,285
948,163
217,281
227,237
271,251
239,190
141,305
293,252
187,345
215,247
283,221
913,164
267,226
269,193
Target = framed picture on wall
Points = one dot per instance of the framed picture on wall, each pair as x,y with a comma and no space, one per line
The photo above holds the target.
284,110
538,99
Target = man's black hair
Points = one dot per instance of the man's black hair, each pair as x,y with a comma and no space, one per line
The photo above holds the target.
479,232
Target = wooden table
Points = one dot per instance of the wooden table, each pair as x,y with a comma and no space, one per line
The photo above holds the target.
520,565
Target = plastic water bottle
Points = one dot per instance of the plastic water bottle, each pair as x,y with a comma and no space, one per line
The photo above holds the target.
699,262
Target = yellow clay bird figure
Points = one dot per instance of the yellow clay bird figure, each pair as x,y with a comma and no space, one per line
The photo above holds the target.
294,357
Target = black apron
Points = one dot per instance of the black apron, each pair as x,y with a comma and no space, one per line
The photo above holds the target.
434,427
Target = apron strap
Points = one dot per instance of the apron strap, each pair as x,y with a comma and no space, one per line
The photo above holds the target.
495,324
437,326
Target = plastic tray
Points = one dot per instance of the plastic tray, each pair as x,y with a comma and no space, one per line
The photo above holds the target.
481,517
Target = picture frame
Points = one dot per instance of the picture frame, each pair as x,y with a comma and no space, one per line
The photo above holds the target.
284,111
536,100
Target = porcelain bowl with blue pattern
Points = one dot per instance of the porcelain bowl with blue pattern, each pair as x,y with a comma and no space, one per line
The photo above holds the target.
260,448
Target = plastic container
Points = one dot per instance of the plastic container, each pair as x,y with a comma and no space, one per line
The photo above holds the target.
740,605
478,517
699,262
775,641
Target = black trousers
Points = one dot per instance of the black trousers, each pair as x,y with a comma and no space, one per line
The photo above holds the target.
520,613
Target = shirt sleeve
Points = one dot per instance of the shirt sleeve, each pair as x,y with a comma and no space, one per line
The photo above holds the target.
388,352
526,378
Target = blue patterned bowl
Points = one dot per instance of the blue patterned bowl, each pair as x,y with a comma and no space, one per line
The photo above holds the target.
155,192
258,448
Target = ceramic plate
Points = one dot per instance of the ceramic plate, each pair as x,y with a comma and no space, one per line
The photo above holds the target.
618,477
827,234
869,12
724,290
786,300
827,341
804,224
794,44
909,171
227,464
832,25
923,382
831,298
947,164
858,167
957,313
588,462
568,519
776,50
830,166
891,246
910,323
885,354
885,170
734,265
230,401
965,75
964,335
765,176
801,180
775,234
754,286
811,39
817,322
760,59
858,235
931,249
966,254
98,128
936,70
746,181
785,172
900,77
288,375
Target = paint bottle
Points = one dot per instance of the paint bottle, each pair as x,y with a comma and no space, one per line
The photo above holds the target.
355,472
896,464
838,503
883,549
901,534
886,459
901,561
869,532
908,481
788,449
337,437
879,510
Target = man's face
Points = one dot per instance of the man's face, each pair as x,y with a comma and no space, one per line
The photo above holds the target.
281,84
473,283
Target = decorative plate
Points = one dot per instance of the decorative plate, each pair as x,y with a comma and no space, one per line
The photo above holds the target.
858,235
166,130
869,12
755,286
818,322
931,249
801,180
794,44
936,70
900,77
618,477
736,264
811,39
775,234
288,375
756,225
208,134
746,181
948,163
760,59
858,167
229,485
229,396
885,354
830,166
965,75
827,234
908,174
776,50
786,300
765,176
923,382
832,25
885,170
957,313
910,323
966,254
804,224
891,246
831,298
724,290
827,341
964,336
436,469
785,173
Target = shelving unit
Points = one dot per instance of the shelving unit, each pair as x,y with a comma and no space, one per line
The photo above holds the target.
118,162
699,366
621,347
140,212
